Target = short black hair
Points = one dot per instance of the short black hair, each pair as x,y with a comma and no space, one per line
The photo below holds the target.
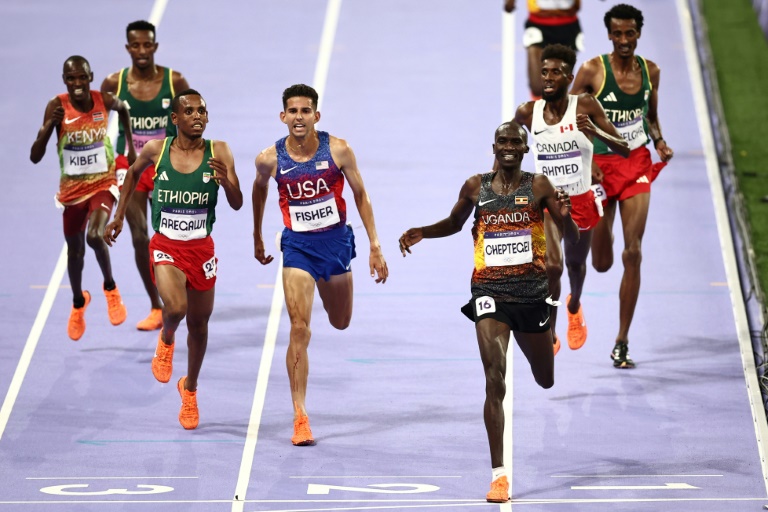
301,90
560,52
140,25
76,58
512,124
187,92
624,12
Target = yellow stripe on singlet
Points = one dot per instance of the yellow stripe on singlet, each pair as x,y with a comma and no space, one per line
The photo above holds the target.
170,82
119,82
647,73
605,76
159,159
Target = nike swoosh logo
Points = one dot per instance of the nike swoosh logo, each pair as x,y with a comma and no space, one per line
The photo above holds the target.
481,203
70,121
540,131
285,171
541,324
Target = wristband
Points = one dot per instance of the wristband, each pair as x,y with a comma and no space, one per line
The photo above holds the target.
656,141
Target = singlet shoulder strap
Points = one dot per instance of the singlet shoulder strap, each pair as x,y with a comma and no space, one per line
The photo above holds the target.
644,64
162,151
120,82
170,81
606,67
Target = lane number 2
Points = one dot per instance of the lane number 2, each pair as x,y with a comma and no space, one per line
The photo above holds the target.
375,488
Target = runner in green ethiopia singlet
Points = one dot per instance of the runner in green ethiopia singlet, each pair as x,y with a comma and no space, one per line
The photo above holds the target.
151,119
626,111
183,205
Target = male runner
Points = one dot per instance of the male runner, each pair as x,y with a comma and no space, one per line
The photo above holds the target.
548,22
88,184
309,168
563,128
148,88
510,292
189,171
627,86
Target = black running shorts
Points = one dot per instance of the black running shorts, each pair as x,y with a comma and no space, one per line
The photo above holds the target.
541,35
521,317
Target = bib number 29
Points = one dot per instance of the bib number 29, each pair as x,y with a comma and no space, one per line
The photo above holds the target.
209,267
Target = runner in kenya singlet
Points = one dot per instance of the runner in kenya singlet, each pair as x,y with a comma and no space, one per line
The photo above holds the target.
85,152
310,192
626,111
183,205
509,244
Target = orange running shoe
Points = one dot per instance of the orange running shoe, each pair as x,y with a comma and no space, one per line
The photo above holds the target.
577,327
115,306
76,324
162,363
556,347
189,416
499,492
153,322
302,435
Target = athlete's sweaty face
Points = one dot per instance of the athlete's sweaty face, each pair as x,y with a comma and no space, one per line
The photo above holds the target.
511,144
300,116
142,47
555,79
191,116
624,35
77,77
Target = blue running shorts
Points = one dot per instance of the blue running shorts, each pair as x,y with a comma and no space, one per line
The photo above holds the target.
323,254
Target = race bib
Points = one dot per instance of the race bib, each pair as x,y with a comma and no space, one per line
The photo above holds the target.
633,132
81,160
600,194
551,5
209,267
531,36
562,169
160,256
484,305
312,214
507,248
183,224
141,137
121,176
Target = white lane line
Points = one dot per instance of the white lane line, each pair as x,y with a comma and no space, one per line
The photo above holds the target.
260,393
377,476
53,286
395,503
106,477
507,113
629,476
158,9
326,48
385,507
319,81
726,236
508,106
668,486
32,339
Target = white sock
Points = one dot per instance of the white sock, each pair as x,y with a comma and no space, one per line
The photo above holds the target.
498,472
